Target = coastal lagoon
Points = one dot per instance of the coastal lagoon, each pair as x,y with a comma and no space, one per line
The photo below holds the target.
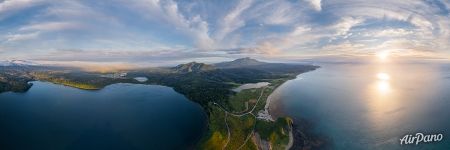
250,86
370,106
120,116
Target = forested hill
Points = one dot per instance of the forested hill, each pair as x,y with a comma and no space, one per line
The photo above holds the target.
198,81
204,83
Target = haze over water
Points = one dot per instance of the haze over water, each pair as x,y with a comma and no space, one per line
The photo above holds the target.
371,106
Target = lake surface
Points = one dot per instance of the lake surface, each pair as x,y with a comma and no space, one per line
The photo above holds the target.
250,86
370,106
141,79
120,116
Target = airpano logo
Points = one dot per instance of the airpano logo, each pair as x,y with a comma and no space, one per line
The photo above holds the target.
420,138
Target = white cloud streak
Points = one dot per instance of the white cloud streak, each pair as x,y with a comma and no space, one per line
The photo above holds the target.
168,11
10,7
233,20
21,37
52,26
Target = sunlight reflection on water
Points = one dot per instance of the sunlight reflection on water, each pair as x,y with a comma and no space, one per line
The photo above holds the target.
383,87
371,106
383,84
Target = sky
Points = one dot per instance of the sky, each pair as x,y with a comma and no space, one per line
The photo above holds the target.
171,31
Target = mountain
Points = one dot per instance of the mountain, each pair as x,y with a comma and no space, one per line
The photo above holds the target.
16,62
239,63
192,67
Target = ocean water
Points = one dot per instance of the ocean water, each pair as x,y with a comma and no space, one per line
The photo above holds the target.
371,106
120,116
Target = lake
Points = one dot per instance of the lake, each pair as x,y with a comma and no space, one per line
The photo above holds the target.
250,86
120,116
370,106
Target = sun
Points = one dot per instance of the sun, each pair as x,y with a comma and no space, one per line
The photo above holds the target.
383,55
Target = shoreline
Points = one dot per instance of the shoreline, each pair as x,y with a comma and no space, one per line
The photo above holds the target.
298,137
269,101
271,118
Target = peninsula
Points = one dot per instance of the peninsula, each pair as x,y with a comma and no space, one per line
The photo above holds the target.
236,119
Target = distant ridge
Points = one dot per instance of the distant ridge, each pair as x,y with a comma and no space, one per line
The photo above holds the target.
17,62
238,63
192,67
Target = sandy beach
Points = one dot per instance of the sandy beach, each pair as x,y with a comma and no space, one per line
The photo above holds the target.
271,110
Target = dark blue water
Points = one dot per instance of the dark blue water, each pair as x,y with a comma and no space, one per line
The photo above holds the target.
120,116
371,106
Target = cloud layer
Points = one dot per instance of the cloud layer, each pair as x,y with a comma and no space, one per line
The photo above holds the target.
168,30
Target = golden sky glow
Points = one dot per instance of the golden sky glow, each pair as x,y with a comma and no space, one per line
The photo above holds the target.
137,31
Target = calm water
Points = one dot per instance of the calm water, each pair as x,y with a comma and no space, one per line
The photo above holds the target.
371,106
250,86
120,116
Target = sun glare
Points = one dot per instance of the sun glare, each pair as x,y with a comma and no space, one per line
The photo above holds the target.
383,76
383,85
383,55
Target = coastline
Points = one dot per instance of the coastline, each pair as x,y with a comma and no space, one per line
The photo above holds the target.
267,105
273,117
298,137
269,101
233,117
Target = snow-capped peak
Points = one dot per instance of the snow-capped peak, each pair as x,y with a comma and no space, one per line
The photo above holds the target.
17,62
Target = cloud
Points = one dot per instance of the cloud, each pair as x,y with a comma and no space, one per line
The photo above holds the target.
346,24
91,66
21,37
52,26
264,48
144,29
10,7
276,12
393,32
346,47
316,4
168,12
417,13
232,20
149,57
